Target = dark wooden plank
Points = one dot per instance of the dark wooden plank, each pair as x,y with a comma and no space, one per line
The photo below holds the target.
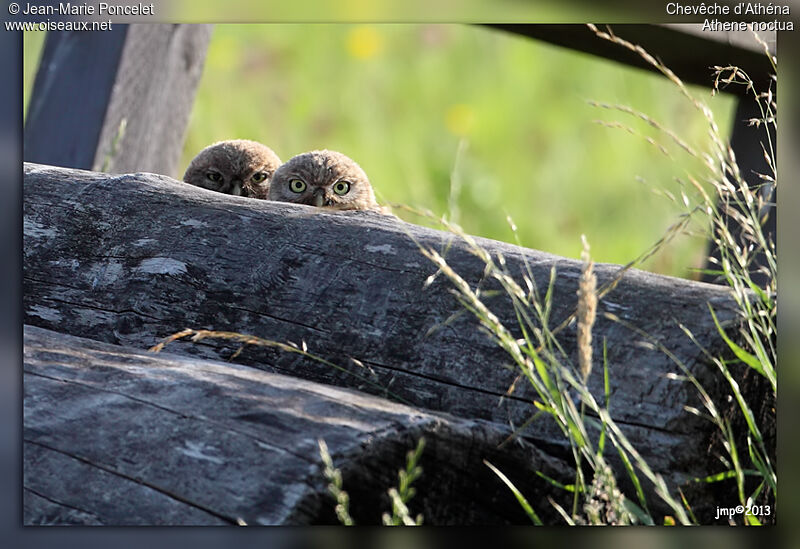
135,258
688,53
118,100
70,96
117,436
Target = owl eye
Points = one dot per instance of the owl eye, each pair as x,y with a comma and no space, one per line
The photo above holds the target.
341,187
297,185
259,177
214,176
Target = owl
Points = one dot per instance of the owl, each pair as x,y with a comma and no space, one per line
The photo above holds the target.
239,166
324,179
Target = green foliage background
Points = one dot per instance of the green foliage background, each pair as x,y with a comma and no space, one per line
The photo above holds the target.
465,121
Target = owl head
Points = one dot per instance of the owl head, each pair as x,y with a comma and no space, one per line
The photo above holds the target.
324,179
239,167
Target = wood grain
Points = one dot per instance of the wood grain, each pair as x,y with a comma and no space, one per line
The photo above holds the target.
117,436
131,259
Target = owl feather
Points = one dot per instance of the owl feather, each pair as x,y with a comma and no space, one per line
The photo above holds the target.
239,167
324,178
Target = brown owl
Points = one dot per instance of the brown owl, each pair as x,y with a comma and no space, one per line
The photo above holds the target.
324,179
239,167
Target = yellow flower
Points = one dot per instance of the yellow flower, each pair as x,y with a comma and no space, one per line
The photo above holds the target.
459,119
364,42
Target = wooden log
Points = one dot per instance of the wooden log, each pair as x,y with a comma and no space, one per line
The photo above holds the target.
118,100
117,436
132,259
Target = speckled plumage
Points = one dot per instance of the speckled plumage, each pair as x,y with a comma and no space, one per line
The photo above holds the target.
325,179
239,166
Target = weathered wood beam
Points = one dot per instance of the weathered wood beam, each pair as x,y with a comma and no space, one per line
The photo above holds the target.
117,436
118,100
132,259
688,53
70,96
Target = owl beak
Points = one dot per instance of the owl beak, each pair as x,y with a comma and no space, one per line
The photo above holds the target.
236,190
319,198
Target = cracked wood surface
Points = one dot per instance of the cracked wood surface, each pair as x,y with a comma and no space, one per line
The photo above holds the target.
132,259
118,436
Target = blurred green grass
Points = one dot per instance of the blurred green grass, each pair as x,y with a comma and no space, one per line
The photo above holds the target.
403,100
32,44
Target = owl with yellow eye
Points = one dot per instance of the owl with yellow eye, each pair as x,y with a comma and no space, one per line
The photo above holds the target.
324,179
238,166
